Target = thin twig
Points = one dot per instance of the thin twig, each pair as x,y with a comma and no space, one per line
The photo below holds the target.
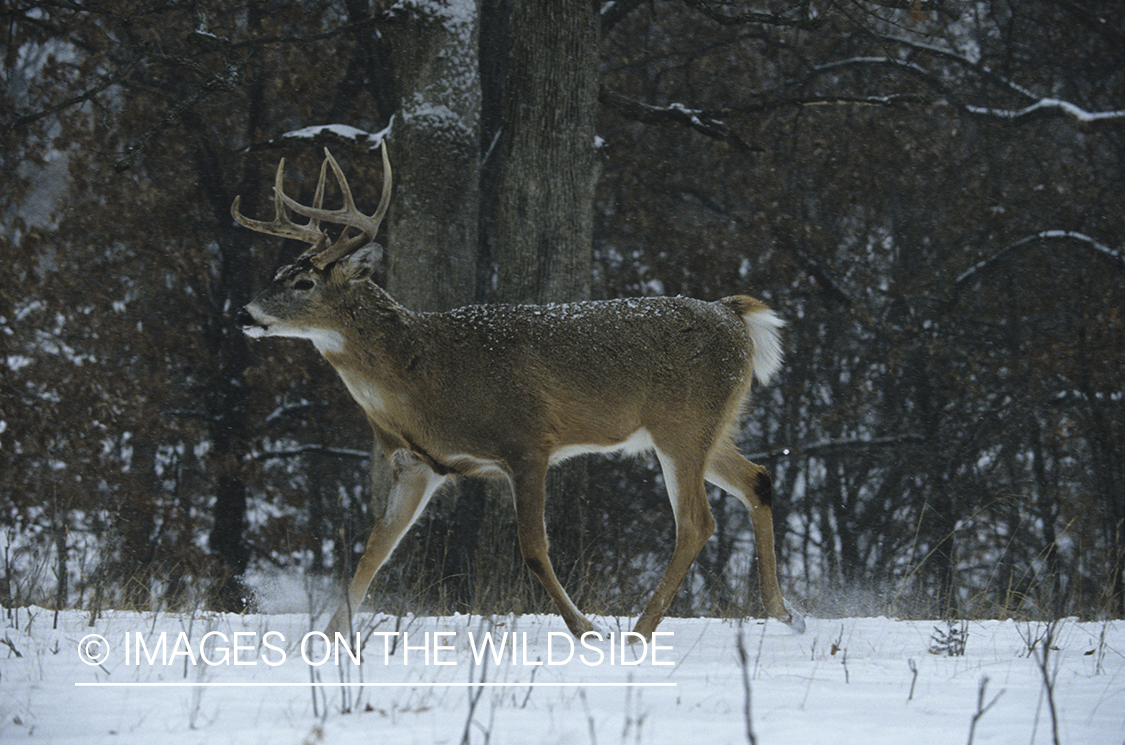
744,663
982,708
1043,659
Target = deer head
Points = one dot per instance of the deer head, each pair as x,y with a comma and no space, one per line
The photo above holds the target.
305,298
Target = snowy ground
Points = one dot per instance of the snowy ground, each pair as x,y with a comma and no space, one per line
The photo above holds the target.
856,680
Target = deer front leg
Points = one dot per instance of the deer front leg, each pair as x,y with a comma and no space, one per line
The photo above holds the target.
413,483
529,490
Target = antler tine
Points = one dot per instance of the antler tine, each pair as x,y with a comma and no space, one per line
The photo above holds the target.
349,215
385,198
318,197
318,201
279,186
319,253
281,225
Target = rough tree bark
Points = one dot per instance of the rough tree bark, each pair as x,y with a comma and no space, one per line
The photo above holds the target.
544,215
435,150
543,222
435,212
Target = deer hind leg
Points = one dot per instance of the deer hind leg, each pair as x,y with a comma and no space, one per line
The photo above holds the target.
751,483
529,492
413,483
683,478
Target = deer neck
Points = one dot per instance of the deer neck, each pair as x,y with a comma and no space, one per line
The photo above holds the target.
373,350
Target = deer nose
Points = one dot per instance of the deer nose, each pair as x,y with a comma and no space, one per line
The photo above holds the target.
243,318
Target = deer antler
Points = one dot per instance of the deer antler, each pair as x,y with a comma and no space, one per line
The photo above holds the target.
319,253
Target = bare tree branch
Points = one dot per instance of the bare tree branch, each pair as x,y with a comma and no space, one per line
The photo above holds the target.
699,120
728,13
305,449
825,446
15,120
1040,107
142,55
216,83
1046,235
326,134
709,123
1048,107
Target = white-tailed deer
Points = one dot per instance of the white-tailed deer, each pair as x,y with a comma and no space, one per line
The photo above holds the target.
504,391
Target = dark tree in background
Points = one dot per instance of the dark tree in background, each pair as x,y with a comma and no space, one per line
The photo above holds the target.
929,192
544,213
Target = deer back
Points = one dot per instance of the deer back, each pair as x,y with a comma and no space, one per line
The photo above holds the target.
489,383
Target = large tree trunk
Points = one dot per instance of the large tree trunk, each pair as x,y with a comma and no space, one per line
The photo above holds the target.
545,209
540,181
435,150
227,405
543,229
434,217
227,418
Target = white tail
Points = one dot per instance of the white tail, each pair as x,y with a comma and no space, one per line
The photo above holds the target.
503,391
765,341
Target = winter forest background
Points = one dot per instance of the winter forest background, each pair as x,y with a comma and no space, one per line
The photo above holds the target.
930,192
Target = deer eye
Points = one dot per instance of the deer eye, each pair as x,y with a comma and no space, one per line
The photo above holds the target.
303,285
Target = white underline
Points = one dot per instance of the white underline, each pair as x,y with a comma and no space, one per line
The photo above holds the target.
320,684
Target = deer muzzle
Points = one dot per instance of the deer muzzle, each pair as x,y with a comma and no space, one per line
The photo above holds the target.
249,325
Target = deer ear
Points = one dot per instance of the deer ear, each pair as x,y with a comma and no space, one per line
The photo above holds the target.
360,265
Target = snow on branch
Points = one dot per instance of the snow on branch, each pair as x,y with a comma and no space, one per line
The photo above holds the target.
874,61
709,123
1047,106
319,134
1039,106
1044,235
697,119
727,14
304,449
